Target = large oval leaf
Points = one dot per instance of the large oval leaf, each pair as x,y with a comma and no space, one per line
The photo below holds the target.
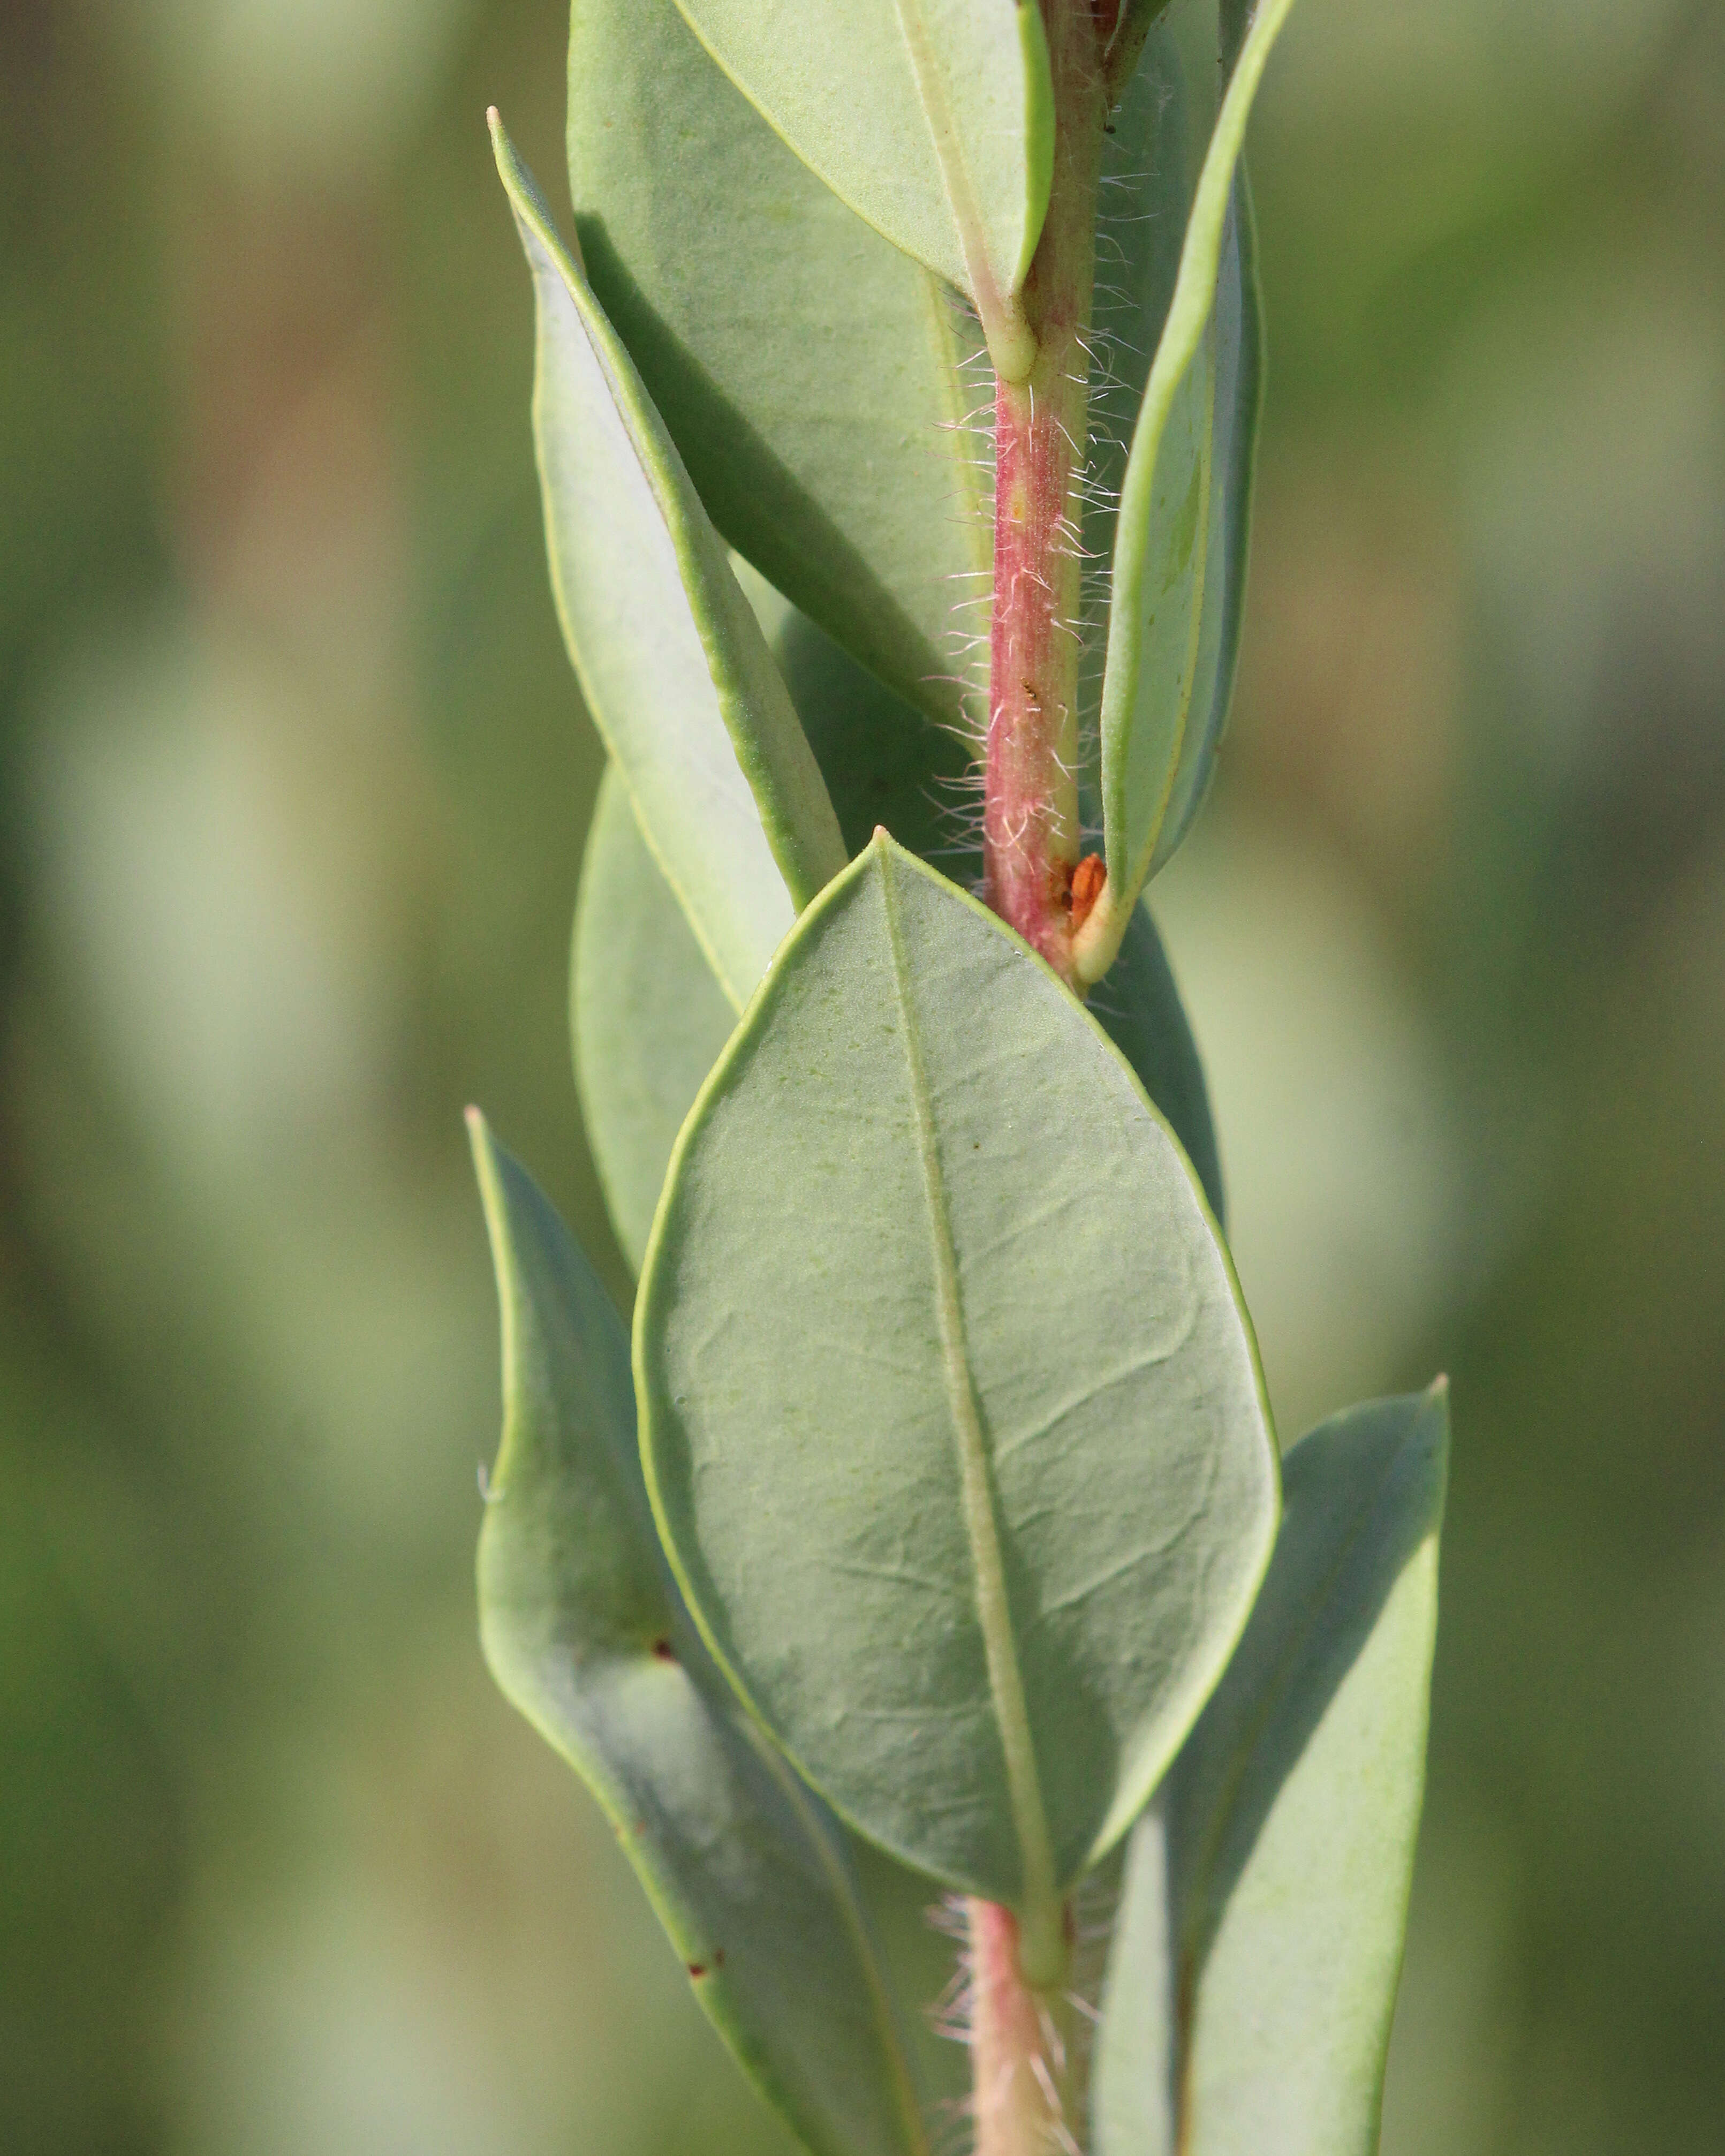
672,664
953,1421
1169,657
933,119
585,1635
814,379
1253,1972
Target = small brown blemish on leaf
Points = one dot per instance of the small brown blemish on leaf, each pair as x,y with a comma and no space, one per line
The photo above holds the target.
696,1969
664,1651
1088,879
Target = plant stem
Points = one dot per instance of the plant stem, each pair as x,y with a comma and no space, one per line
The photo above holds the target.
1031,839
1030,828
1020,2071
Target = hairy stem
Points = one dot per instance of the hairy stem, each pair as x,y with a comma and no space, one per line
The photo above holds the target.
1021,2068
1030,830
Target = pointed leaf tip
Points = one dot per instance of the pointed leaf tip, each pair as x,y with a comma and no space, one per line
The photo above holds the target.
1168,668
673,667
934,122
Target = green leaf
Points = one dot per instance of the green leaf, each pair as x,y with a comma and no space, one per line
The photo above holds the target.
647,1014
1149,181
1138,1007
953,1422
812,376
671,661
1259,1939
584,1634
1181,523
1187,664
933,119
883,760
1238,359
1191,572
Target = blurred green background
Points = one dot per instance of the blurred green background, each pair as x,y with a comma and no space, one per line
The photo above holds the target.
293,782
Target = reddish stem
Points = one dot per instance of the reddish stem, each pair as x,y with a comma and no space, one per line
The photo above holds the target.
1031,846
1019,2067
1030,830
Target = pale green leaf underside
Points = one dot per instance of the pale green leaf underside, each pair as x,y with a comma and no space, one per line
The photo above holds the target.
1170,654
1235,357
745,1868
672,664
953,1422
1253,1973
1191,584
648,1020
932,119
1150,179
812,376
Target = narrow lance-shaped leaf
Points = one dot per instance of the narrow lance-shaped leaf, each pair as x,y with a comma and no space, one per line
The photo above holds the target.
1205,473
932,119
585,1635
813,377
1235,354
671,661
968,1376
1253,1973
1162,548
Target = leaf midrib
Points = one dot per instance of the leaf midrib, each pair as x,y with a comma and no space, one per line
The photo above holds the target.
1006,1685
961,197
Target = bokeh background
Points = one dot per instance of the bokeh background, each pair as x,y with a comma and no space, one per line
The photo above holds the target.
293,785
